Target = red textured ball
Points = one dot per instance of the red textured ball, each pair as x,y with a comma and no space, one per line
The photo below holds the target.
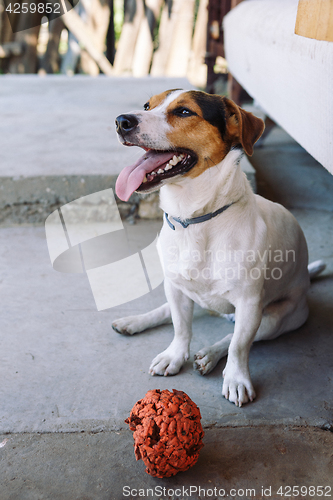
167,432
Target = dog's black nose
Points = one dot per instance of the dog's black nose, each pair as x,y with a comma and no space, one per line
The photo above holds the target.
126,123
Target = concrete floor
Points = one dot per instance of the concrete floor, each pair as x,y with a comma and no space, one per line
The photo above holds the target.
68,381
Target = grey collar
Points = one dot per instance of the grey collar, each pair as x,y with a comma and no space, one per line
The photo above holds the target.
196,220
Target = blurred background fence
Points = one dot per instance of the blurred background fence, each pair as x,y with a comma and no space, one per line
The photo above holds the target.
116,37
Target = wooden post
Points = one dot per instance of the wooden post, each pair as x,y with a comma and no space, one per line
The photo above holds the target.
164,36
110,36
144,45
315,19
175,38
235,90
181,40
51,59
217,9
197,69
28,37
75,24
123,60
8,22
97,22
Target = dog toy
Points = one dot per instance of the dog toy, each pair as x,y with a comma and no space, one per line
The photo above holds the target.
167,432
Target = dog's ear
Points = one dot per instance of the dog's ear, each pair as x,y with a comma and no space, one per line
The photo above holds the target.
243,126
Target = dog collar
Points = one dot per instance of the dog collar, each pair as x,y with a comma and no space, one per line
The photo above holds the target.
196,220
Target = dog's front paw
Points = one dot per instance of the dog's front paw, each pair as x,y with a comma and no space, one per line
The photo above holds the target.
205,360
237,388
169,362
127,326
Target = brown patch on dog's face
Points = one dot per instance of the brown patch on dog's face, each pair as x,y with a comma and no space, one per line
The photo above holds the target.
198,124
210,125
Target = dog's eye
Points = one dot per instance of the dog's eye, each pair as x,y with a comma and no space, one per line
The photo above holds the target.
183,112
146,106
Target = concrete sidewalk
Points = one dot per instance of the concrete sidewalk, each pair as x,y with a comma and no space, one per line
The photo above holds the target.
68,381
72,372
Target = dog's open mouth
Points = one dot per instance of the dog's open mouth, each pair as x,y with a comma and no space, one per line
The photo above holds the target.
152,169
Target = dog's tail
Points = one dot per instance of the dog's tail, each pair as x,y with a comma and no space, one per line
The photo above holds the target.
316,268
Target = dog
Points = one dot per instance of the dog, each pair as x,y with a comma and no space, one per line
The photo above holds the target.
221,246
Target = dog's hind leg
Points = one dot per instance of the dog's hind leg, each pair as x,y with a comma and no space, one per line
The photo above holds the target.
135,324
282,317
278,318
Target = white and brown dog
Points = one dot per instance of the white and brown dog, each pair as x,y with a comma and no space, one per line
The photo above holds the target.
221,245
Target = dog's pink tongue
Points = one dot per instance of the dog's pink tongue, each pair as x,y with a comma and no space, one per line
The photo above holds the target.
132,176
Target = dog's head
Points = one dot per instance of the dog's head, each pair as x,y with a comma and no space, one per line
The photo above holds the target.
183,133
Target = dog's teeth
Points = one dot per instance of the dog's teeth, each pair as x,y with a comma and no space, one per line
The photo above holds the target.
144,179
171,163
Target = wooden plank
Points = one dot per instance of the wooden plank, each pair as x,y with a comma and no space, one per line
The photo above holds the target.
75,24
123,60
166,27
315,19
97,21
175,38
144,47
181,40
143,51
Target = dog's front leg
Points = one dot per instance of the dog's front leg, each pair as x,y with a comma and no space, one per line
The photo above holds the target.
170,361
237,385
